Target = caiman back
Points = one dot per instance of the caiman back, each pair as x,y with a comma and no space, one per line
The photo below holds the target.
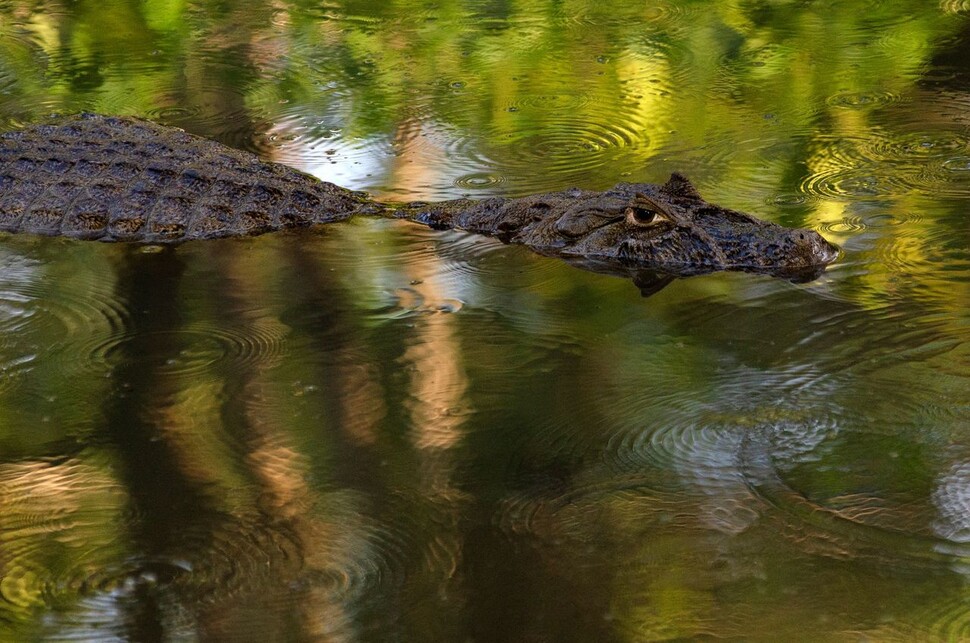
125,179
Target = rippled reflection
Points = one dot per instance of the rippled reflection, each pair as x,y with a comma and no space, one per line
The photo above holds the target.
375,431
307,428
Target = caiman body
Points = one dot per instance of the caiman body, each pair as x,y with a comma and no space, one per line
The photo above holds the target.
124,179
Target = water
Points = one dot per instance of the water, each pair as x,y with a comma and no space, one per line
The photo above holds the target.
379,432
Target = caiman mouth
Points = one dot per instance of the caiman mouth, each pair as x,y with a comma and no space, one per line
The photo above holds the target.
795,254
789,253
829,252
803,257
809,250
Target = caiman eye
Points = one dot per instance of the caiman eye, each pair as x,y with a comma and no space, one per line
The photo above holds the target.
639,215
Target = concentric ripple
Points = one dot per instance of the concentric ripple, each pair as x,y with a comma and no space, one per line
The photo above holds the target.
234,562
860,100
479,181
734,458
320,146
46,314
43,509
193,349
946,620
736,64
849,224
847,183
71,507
852,525
79,324
846,167
687,466
955,6
551,102
173,113
884,164
917,145
573,145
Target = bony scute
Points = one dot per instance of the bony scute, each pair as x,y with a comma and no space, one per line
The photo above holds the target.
112,178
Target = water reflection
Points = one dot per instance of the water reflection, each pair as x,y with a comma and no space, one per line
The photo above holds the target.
377,431
385,451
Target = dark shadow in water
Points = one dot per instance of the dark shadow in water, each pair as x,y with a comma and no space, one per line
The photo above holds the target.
165,504
650,282
334,344
519,590
192,555
951,65
233,575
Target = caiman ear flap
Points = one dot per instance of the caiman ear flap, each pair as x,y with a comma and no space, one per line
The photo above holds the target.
678,185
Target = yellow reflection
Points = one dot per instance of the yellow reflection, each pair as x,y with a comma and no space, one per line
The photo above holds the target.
61,524
433,357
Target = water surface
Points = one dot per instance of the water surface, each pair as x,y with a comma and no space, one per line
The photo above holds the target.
380,432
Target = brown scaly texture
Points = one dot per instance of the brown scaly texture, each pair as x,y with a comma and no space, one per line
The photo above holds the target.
633,227
124,179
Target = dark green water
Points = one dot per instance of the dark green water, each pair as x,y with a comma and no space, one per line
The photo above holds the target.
376,432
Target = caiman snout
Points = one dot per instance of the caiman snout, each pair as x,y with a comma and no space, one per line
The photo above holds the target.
812,249
768,248
806,255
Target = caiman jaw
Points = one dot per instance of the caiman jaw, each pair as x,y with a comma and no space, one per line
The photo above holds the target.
743,243
827,252
686,248
816,253
798,255
803,249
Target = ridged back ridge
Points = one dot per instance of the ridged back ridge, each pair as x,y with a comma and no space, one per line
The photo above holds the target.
125,179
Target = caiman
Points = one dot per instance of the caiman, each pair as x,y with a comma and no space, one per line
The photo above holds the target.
113,178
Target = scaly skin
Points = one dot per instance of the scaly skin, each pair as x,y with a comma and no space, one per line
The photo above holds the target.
667,228
125,179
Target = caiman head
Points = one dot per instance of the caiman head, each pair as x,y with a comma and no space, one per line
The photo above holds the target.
669,229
